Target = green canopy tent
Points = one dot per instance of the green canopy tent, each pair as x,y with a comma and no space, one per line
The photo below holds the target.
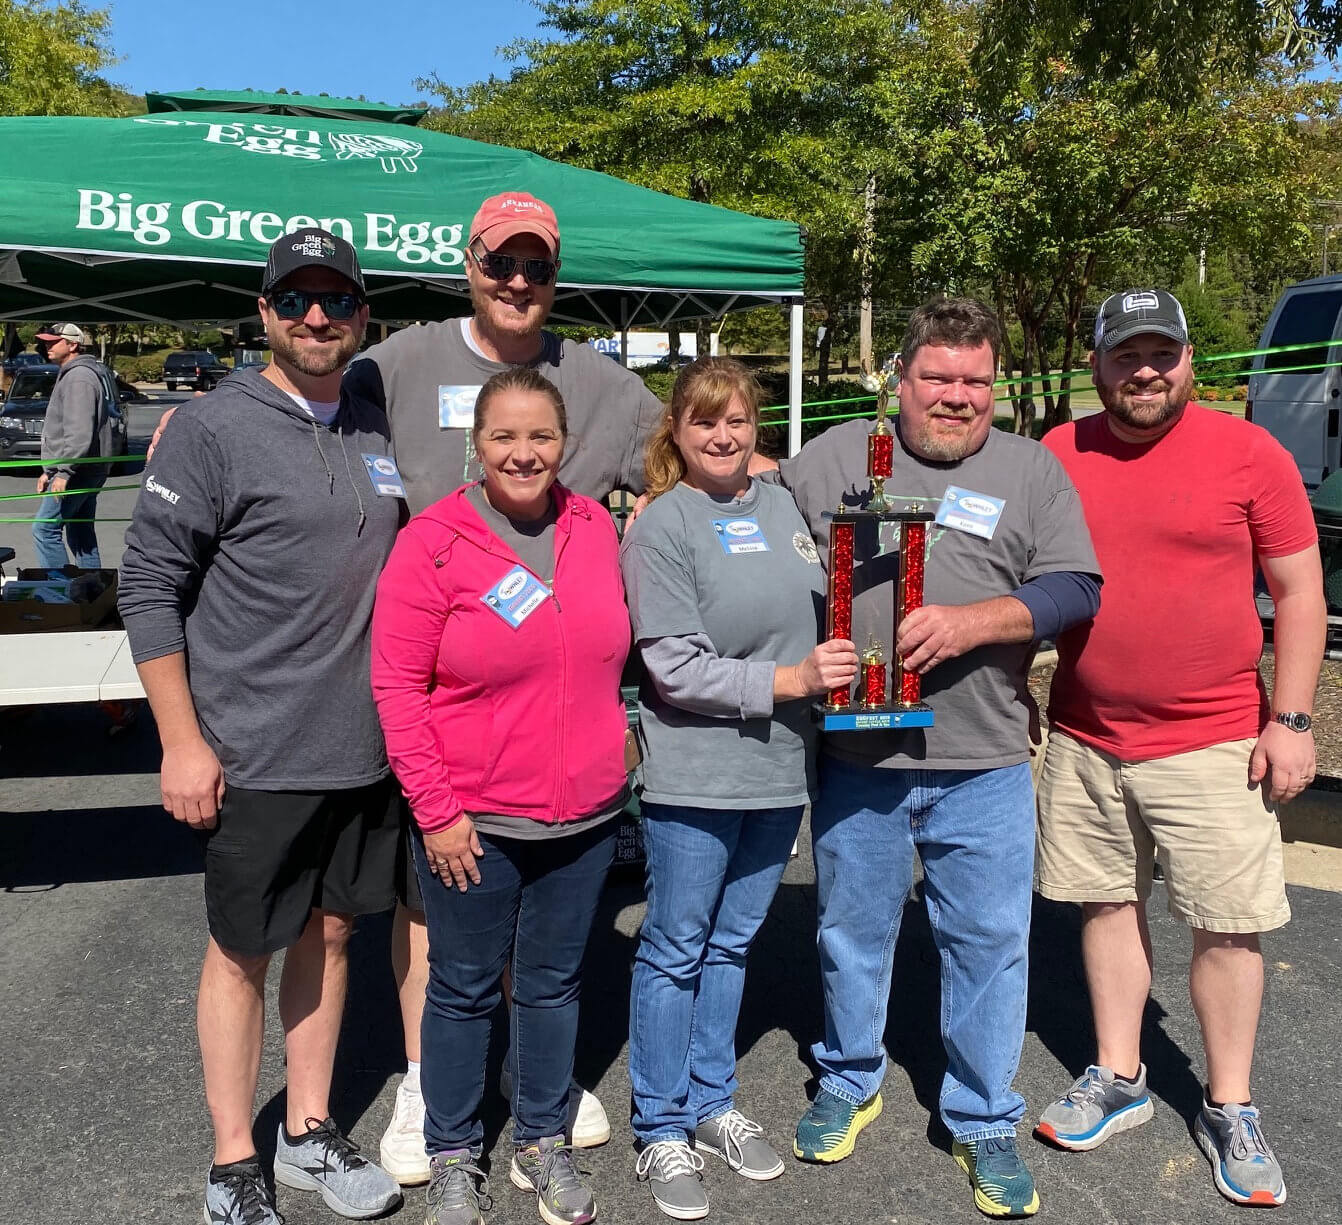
168,217
308,106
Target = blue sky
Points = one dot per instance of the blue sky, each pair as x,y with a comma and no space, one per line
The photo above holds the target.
372,47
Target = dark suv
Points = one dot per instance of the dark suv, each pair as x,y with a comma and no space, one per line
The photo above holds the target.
196,369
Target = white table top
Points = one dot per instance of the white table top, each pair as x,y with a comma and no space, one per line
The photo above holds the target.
81,666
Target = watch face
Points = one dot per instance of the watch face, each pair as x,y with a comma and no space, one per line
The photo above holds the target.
1296,722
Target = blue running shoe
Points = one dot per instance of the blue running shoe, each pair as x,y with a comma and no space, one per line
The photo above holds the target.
1096,1107
1243,1164
1002,1184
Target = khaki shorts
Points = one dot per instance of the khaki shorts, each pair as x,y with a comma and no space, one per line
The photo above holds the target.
1102,821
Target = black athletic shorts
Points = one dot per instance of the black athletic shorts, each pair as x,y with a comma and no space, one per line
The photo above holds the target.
275,856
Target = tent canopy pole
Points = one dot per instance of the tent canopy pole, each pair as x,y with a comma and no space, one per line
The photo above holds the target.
794,380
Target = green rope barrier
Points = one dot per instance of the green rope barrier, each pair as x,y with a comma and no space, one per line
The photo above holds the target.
83,459
64,493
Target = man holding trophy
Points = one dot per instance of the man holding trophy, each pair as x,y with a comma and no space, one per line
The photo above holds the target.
1006,561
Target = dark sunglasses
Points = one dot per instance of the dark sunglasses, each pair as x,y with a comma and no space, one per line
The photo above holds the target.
295,304
500,267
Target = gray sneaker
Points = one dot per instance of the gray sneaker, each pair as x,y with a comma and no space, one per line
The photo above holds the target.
329,1162
1094,1108
672,1170
458,1190
547,1168
1243,1164
741,1144
238,1195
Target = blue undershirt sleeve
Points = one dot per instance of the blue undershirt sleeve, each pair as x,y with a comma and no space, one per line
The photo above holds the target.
1059,600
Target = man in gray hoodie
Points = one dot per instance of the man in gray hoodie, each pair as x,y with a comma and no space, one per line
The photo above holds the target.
77,426
247,588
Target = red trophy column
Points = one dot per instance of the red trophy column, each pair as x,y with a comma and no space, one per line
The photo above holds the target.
912,555
840,603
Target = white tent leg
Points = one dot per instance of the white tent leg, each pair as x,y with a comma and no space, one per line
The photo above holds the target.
794,380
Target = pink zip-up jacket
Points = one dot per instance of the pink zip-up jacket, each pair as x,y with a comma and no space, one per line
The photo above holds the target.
483,717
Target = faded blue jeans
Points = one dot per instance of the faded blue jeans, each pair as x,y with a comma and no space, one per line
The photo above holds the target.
53,519
974,830
712,874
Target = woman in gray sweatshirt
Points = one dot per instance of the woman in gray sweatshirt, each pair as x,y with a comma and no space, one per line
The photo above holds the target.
725,590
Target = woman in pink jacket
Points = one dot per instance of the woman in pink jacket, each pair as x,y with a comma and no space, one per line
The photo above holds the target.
499,634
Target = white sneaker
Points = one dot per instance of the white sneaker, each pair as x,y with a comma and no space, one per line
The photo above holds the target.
588,1126
402,1148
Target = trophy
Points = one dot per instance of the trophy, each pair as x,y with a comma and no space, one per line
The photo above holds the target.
873,707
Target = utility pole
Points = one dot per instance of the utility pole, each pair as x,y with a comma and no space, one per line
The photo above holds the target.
865,257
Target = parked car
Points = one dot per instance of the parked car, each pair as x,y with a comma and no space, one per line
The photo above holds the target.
194,368
23,411
12,365
1301,407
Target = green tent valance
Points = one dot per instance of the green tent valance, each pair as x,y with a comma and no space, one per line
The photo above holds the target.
169,217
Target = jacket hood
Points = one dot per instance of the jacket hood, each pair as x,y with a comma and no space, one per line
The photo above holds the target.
255,386
85,360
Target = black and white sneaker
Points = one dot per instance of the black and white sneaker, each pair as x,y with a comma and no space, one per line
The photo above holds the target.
237,1195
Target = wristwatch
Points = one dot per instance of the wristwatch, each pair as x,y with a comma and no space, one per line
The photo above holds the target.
1294,719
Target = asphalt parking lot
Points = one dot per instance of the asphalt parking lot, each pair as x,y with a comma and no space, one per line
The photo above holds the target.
104,1120
102,1116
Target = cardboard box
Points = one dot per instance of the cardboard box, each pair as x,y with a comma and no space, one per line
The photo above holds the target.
27,616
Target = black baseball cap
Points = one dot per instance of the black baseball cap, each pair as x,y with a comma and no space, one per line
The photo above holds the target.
1134,311
310,247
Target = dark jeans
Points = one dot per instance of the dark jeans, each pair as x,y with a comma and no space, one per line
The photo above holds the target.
534,905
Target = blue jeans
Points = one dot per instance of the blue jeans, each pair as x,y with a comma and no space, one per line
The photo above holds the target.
711,875
534,906
53,518
974,830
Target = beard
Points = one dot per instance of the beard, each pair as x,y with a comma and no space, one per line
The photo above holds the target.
1118,401
315,363
492,317
931,443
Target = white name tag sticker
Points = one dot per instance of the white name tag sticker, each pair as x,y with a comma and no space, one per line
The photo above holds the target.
967,511
456,405
740,536
516,596
385,475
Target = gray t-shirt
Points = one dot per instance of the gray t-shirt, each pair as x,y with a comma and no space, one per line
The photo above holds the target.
533,542
745,574
427,379
979,698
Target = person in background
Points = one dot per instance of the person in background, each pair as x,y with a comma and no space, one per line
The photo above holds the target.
77,427
498,640
1163,741
725,590
247,591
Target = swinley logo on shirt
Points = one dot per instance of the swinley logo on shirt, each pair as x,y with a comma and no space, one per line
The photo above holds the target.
162,490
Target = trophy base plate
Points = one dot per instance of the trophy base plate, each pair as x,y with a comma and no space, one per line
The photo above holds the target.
861,718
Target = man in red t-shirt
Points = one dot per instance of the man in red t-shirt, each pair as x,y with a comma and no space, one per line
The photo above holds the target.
1163,741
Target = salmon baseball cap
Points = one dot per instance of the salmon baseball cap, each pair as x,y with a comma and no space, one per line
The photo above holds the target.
511,213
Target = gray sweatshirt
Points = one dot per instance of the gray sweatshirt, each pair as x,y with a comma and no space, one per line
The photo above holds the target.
77,423
427,379
255,547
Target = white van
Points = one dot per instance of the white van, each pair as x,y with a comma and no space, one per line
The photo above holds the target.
1302,408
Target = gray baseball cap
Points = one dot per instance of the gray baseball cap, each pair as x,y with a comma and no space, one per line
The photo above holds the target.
1134,311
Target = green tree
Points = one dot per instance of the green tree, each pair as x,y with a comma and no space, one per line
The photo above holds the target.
52,60
759,105
1052,190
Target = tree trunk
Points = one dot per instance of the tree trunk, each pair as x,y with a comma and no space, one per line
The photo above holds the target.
1029,347
822,358
673,342
1008,356
703,337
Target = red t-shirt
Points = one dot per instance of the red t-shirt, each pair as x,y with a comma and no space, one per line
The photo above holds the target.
1170,663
